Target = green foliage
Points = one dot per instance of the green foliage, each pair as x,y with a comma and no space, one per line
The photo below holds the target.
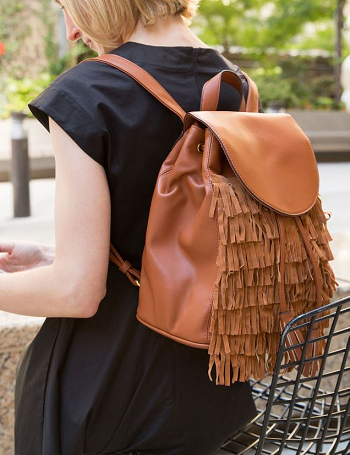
13,31
220,21
321,37
263,29
324,102
20,92
261,24
288,19
272,87
290,84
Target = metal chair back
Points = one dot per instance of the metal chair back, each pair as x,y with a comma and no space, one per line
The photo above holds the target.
300,414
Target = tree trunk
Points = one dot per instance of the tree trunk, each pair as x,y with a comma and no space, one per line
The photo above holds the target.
338,48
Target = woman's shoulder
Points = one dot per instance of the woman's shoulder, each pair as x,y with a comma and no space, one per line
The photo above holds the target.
84,77
87,86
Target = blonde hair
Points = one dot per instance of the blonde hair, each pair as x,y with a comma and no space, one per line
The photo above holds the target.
110,23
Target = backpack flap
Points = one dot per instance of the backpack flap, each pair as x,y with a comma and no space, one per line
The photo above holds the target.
270,154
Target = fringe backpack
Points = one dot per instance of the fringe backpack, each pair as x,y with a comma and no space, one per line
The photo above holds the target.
236,243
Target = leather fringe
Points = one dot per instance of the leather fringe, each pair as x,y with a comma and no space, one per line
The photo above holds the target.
245,326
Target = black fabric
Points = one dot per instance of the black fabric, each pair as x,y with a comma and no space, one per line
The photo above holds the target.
107,384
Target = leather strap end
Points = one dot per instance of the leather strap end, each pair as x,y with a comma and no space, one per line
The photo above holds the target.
125,266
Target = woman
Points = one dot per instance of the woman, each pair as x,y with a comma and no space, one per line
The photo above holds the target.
94,380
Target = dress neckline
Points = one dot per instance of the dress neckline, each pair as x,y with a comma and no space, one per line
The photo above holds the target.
167,47
179,58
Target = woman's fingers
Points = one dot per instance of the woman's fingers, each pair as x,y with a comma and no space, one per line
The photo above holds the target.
18,256
6,247
7,266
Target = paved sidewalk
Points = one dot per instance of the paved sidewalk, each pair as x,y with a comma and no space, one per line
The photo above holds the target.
39,227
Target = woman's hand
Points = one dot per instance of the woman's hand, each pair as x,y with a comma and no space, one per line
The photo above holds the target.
20,256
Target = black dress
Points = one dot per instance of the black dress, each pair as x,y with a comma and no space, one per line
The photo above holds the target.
108,384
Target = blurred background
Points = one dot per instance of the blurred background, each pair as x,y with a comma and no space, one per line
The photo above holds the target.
298,43
298,53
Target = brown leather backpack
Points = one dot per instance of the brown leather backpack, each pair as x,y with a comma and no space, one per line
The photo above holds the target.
236,242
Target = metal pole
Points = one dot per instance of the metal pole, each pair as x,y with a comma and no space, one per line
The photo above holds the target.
20,166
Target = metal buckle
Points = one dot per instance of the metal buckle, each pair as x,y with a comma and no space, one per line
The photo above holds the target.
200,147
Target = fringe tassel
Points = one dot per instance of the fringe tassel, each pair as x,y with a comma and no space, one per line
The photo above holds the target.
245,325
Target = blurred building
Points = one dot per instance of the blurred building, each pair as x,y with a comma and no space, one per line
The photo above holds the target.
39,16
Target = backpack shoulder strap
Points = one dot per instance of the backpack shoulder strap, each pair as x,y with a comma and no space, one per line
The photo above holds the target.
143,78
152,86
211,91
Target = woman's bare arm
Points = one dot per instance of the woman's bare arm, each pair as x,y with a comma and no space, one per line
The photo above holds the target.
74,283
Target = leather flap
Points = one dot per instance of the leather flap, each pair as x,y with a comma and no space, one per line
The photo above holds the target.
270,154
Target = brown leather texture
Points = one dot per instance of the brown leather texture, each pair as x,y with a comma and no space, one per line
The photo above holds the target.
211,90
270,154
178,264
236,242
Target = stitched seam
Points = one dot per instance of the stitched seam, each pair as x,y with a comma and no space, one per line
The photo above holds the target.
165,172
181,112
218,92
197,127
174,337
245,184
210,148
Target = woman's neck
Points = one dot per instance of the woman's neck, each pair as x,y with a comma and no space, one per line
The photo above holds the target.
172,31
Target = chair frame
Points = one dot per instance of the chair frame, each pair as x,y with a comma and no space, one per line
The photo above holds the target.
294,429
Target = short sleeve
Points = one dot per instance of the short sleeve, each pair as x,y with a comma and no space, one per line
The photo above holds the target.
73,118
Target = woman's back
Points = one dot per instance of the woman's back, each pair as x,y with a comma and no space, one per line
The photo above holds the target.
111,384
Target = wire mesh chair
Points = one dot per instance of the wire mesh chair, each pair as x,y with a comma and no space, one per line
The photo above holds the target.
304,415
